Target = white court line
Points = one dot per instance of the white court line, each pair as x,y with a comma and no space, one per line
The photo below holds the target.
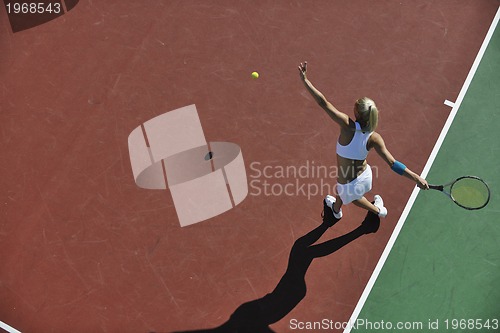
427,167
449,103
8,328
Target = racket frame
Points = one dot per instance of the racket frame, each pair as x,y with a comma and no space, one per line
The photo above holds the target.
441,188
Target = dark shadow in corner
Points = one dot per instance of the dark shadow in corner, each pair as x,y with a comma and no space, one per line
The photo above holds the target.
256,316
29,14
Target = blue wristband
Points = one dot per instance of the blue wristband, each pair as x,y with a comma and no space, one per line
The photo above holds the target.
398,167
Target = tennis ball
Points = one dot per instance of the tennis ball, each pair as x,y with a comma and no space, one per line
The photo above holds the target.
255,75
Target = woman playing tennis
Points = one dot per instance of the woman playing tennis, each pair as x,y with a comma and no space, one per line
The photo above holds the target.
356,139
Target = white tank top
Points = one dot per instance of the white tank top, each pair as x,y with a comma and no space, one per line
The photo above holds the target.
356,149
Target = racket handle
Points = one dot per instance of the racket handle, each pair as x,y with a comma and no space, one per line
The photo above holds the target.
436,187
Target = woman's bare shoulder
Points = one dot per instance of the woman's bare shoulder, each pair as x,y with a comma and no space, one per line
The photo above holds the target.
375,140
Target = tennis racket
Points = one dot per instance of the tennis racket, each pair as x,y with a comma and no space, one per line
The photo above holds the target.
469,192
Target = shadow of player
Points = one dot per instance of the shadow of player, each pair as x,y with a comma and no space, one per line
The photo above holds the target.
256,316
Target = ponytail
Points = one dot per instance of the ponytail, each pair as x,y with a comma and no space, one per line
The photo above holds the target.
373,118
368,112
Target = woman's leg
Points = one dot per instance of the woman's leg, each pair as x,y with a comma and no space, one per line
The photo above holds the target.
337,205
364,203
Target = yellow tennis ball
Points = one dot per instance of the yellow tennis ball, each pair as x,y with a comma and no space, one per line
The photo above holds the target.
255,75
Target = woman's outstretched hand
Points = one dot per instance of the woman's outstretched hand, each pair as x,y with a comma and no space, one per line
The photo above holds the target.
422,183
303,70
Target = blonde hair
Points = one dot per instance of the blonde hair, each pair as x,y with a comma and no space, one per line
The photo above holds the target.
368,112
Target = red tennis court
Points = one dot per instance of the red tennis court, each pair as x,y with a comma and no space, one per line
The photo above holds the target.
84,249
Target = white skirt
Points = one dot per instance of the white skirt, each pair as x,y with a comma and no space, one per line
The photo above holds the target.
357,188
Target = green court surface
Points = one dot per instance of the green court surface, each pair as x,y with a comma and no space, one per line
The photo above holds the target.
443,272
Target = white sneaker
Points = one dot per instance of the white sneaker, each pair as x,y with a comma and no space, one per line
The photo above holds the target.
379,203
330,200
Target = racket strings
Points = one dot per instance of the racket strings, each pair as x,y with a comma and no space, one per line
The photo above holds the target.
470,193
